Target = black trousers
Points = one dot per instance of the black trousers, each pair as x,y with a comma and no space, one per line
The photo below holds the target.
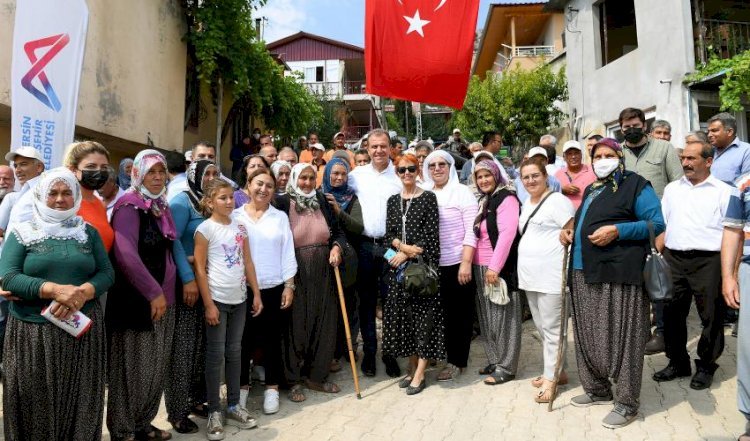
696,274
458,310
369,289
262,336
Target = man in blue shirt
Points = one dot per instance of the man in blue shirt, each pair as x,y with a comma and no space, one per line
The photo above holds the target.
732,156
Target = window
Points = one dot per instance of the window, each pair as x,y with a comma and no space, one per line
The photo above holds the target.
309,75
319,74
617,29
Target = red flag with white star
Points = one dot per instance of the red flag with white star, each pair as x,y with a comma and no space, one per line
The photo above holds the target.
420,50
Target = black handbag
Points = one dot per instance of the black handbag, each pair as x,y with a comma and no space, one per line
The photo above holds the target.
420,279
657,276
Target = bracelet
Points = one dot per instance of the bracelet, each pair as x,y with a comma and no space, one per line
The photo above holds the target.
41,289
290,285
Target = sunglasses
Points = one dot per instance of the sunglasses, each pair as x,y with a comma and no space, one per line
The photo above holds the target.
410,169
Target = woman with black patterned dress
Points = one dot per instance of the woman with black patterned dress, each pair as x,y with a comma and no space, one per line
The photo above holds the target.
412,326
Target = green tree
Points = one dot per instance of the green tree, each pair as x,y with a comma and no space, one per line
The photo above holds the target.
519,104
736,83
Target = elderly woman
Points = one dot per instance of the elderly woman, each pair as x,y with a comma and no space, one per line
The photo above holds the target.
412,326
186,390
140,312
540,265
610,309
421,150
123,175
318,244
272,248
249,165
281,170
457,208
348,211
496,227
53,385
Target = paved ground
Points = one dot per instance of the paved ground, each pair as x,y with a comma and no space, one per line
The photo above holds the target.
468,410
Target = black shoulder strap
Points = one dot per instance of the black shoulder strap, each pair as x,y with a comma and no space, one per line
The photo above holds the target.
526,225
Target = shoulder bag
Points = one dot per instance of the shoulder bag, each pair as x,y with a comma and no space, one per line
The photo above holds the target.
526,225
420,278
657,276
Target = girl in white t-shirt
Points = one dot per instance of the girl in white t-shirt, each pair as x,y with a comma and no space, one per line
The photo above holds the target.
223,268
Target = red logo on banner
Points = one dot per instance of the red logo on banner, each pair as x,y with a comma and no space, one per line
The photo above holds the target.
420,50
55,43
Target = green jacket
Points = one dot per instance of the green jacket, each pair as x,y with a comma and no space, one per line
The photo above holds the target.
658,163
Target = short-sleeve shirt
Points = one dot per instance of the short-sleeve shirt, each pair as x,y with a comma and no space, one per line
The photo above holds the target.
738,213
540,254
226,260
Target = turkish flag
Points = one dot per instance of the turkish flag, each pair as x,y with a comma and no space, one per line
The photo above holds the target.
420,50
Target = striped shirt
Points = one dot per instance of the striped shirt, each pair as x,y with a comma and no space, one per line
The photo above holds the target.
457,208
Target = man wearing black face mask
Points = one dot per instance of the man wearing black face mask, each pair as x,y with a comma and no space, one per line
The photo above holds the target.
657,161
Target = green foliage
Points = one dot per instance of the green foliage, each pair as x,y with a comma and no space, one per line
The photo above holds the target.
332,118
292,109
736,83
519,104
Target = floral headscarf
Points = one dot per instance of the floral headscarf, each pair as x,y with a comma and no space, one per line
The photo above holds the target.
47,222
303,201
484,200
194,176
342,194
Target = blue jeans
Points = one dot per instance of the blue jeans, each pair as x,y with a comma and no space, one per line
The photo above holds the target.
224,343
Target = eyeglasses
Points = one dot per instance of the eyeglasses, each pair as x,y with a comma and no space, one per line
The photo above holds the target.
532,177
435,165
410,169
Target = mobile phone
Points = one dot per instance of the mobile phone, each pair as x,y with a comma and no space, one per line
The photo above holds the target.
389,254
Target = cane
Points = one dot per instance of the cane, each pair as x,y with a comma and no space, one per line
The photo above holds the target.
563,331
347,331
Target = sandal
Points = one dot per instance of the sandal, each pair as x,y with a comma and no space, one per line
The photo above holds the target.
451,372
327,387
184,425
487,370
745,436
539,381
153,434
498,377
297,394
544,396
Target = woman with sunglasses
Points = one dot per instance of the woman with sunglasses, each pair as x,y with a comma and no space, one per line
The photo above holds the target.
412,326
249,165
457,208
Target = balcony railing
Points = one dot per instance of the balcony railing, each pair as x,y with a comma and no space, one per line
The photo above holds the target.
354,87
331,89
530,51
722,39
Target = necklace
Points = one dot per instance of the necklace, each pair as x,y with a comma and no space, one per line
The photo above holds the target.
405,212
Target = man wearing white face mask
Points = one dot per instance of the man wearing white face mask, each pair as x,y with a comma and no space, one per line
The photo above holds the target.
610,309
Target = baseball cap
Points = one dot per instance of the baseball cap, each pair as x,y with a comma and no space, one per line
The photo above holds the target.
572,144
537,151
456,131
26,152
607,142
338,134
318,146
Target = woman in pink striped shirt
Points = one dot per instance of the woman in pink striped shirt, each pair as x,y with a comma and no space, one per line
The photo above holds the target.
457,208
496,229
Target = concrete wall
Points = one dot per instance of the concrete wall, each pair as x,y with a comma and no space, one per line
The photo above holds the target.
637,79
133,76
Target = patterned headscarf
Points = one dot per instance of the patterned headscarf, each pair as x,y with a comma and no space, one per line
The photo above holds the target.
144,160
123,178
194,175
484,201
303,201
615,178
47,222
342,194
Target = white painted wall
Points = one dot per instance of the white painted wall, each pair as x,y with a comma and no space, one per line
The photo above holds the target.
665,52
332,73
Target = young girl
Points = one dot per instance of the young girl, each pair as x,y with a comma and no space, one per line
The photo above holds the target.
223,268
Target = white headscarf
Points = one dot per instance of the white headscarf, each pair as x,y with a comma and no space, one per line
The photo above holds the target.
454,193
304,201
277,165
48,223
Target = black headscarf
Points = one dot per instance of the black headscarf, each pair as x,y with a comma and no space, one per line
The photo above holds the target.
194,175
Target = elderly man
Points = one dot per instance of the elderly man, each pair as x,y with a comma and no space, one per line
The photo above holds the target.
8,181
455,143
17,207
269,153
552,182
591,141
661,129
474,148
339,143
549,143
289,155
575,176
732,156
373,183
694,208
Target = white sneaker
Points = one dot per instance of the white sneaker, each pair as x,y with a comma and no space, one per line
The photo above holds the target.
215,428
270,401
238,416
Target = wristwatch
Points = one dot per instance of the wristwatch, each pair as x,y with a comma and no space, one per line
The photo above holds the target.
291,286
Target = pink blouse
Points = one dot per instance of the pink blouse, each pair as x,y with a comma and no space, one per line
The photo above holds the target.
507,225
308,228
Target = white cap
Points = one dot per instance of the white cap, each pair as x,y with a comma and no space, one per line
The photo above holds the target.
26,152
572,144
318,146
456,131
189,156
337,134
537,151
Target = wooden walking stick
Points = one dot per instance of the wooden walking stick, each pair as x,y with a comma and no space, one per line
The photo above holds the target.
348,332
559,362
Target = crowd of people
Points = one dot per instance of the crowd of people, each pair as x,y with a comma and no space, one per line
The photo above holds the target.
183,271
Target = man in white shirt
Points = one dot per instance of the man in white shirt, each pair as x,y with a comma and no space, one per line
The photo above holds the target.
373,183
16,207
694,209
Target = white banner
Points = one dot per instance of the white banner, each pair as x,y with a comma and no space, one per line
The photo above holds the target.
48,45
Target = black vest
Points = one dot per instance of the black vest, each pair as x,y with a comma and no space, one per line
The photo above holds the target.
622,260
509,271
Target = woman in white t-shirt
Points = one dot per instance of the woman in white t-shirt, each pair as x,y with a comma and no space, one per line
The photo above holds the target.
223,270
540,264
